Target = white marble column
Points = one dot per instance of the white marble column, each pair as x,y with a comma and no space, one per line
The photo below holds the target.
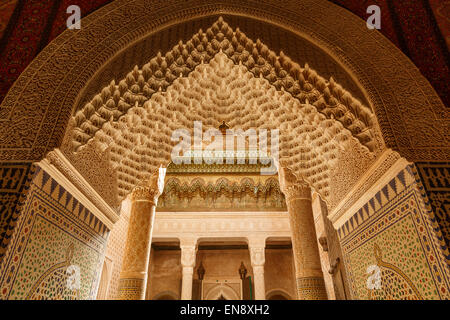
257,248
188,255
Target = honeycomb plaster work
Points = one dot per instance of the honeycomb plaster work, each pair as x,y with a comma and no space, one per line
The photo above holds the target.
305,84
299,49
221,76
410,114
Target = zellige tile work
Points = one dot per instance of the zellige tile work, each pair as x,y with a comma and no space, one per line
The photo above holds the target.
58,236
436,179
396,231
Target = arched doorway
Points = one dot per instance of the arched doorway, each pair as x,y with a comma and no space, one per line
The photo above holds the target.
278,295
350,148
166,295
221,292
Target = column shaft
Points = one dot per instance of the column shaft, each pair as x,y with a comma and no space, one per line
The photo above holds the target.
260,288
309,275
188,256
133,276
186,284
257,248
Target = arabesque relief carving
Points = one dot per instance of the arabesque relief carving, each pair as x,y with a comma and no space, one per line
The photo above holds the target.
221,193
150,189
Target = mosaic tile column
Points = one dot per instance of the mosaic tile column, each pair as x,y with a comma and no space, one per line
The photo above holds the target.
133,277
188,255
258,259
308,271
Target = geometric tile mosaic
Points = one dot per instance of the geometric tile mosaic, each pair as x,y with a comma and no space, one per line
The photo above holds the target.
435,177
386,194
396,233
55,238
14,183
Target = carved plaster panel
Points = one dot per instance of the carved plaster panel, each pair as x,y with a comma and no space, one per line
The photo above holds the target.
170,225
221,193
61,169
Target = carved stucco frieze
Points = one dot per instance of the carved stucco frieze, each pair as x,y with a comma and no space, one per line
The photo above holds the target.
229,224
221,193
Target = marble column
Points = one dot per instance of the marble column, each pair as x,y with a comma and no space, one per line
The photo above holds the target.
188,256
257,257
133,276
309,275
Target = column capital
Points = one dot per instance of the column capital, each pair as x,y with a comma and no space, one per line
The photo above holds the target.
293,187
188,254
151,188
257,256
188,241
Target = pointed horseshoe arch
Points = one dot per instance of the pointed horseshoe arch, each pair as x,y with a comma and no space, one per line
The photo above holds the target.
36,112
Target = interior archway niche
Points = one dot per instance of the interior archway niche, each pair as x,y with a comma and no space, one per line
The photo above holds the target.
360,125
278,294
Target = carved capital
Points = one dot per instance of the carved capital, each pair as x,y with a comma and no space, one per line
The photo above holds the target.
142,193
188,255
150,189
257,256
293,187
